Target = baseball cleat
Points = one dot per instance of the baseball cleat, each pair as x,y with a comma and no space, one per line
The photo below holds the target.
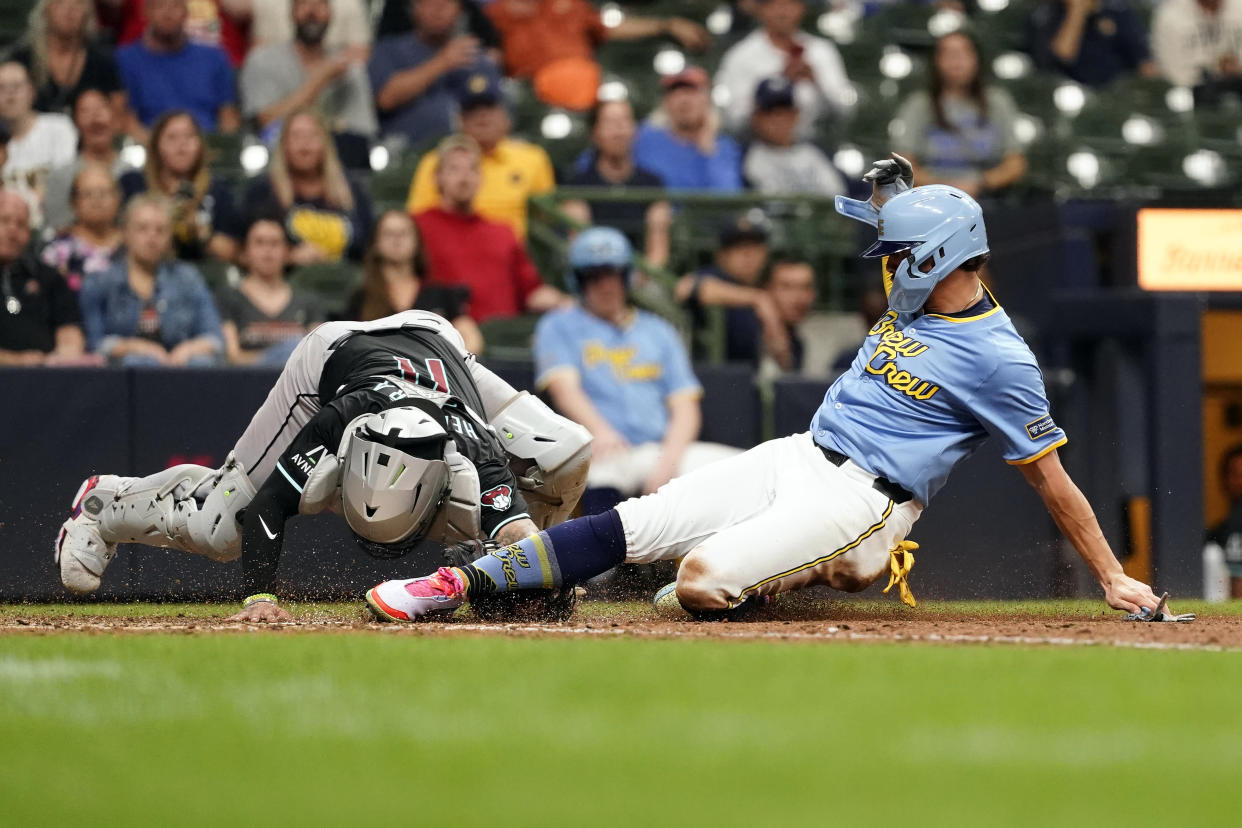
669,605
414,598
81,553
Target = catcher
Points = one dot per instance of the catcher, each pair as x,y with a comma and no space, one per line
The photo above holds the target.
390,423
941,372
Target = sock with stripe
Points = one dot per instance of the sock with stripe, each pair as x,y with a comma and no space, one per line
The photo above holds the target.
566,554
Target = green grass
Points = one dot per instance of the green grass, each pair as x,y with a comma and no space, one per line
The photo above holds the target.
380,729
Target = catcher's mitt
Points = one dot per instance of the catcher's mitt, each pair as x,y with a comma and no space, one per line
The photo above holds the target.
525,606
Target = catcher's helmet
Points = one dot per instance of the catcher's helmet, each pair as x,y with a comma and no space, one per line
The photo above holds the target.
598,248
938,227
395,477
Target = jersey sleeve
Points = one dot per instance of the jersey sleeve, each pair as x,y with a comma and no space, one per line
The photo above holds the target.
500,502
1013,406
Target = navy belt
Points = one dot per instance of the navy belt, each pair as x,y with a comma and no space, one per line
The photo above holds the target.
883,485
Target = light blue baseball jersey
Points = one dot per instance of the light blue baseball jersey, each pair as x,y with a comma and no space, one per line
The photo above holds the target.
916,402
628,372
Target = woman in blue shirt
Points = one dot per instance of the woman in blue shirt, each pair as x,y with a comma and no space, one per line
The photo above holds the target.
147,309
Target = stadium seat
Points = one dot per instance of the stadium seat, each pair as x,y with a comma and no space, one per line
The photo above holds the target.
332,283
509,339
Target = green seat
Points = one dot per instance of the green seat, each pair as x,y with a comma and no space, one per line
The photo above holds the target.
333,283
509,338
218,275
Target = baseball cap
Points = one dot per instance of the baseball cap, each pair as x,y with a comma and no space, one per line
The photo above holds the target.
742,230
481,89
774,93
694,76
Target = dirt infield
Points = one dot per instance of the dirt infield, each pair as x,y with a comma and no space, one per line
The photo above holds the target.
813,623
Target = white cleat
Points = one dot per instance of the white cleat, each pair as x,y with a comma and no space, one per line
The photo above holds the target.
81,552
414,598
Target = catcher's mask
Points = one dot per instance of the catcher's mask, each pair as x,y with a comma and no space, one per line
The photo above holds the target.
395,477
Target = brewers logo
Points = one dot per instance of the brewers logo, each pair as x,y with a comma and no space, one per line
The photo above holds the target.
499,498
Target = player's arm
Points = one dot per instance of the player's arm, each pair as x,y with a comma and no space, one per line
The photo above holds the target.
1076,520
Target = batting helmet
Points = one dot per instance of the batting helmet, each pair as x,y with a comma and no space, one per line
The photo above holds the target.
597,248
938,228
395,477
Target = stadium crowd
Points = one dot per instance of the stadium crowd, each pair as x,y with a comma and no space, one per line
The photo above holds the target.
114,204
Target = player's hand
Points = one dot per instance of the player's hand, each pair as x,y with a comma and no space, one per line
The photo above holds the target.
888,177
264,612
1129,594
689,34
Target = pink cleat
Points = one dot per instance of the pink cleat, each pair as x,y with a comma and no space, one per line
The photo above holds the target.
412,599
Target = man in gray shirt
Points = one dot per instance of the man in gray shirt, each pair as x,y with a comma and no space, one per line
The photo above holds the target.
281,78
776,162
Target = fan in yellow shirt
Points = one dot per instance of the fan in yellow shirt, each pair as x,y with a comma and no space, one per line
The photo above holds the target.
512,170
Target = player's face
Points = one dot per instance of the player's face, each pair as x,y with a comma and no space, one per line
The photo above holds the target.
304,145
614,129
793,291
396,241
435,18
148,235
956,61
179,147
776,126
686,106
96,200
458,178
267,250
744,261
781,16
603,294
486,124
14,226
16,92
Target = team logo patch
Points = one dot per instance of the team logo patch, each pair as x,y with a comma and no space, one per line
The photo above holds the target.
499,498
1040,427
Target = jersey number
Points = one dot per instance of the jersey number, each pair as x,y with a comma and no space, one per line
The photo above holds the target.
435,378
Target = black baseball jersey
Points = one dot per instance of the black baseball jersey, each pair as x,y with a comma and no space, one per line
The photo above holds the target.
357,380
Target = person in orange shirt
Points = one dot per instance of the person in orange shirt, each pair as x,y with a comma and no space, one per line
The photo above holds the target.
553,42
512,170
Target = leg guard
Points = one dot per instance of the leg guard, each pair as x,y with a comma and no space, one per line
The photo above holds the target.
549,454
191,508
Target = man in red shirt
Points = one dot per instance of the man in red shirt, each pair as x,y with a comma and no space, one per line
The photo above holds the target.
463,248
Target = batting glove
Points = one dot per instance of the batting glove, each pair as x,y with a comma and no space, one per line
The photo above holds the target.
888,177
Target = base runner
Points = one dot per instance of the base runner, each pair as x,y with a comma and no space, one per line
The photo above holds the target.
941,372
391,423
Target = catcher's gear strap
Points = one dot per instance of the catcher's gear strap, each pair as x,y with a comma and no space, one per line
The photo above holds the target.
549,454
186,507
900,562
458,518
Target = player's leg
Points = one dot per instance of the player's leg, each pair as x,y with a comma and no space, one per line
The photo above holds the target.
827,525
186,507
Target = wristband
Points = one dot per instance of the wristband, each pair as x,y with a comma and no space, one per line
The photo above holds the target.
259,598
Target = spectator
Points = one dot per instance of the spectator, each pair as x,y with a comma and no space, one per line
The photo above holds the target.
166,70
147,309
350,27
624,374
418,77
960,132
1091,41
513,170
751,320
1198,43
282,78
396,19
611,164
40,322
552,42
218,24
816,338
1228,533
264,317
465,248
39,141
327,216
791,284
812,64
392,281
96,122
682,143
63,59
776,161
90,243
205,220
